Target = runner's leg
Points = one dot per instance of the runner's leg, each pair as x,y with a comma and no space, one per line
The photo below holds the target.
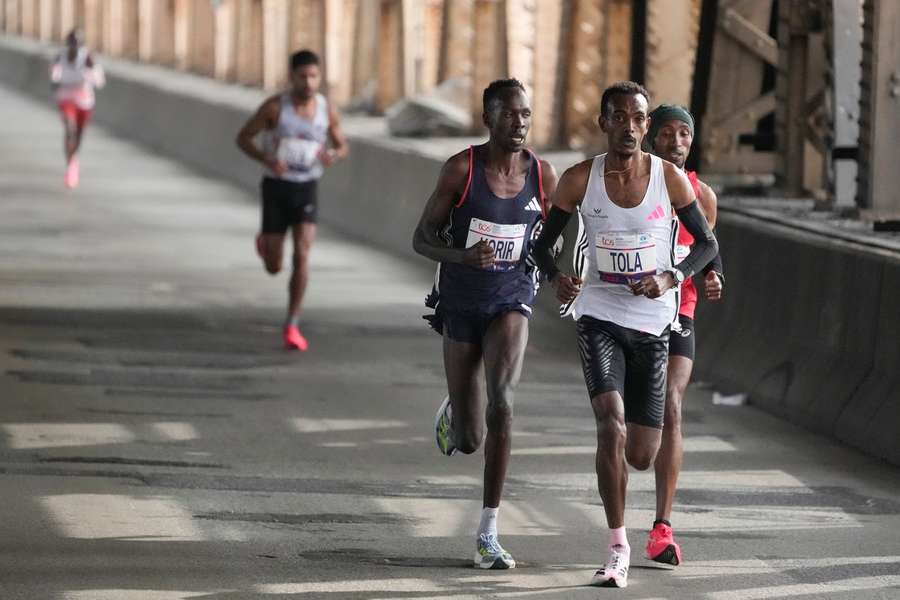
304,234
504,352
463,367
669,460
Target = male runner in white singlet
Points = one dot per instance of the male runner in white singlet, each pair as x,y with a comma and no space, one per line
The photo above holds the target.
626,199
302,136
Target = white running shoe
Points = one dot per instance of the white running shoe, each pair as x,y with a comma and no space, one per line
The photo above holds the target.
615,572
443,428
489,554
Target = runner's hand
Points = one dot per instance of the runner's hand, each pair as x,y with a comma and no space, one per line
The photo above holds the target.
279,167
567,287
480,256
653,286
328,156
712,285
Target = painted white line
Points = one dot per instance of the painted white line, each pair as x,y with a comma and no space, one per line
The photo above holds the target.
303,425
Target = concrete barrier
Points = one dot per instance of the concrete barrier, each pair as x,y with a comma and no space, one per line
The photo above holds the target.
810,327
810,330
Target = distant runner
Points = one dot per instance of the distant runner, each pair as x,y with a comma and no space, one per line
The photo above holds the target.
301,136
74,75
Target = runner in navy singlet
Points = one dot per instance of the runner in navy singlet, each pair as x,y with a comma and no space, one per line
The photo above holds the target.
479,225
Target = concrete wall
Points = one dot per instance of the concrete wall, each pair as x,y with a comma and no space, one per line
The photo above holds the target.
810,327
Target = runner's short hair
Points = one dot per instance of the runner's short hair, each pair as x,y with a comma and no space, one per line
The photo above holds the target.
301,58
493,92
628,88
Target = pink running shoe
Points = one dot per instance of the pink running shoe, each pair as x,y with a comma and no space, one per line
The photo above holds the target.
661,546
294,340
71,178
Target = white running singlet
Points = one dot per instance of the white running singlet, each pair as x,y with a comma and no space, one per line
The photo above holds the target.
627,244
75,79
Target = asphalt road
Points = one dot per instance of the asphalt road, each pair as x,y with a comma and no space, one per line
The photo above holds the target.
157,443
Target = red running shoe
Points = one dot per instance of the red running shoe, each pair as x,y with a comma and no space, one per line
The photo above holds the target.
661,546
294,340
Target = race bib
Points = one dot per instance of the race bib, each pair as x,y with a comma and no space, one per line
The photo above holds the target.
298,153
681,252
624,257
506,240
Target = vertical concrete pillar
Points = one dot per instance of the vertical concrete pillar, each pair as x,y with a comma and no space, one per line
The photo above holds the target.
489,60
225,54
250,42
93,24
365,48
308,25
182,30
202,41
276,20
46,8
457,38
390,54
432,27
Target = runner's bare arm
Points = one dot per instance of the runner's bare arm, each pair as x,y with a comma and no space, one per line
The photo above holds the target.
713,273
427,241
565,200
705,246
339,147
266,117
550,180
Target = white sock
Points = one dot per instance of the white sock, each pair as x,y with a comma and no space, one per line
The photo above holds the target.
617,537
488,524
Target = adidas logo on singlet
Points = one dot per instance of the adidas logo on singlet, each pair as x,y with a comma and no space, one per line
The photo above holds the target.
533,205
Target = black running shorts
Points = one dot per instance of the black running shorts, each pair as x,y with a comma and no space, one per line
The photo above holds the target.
627,361
681,343
286,203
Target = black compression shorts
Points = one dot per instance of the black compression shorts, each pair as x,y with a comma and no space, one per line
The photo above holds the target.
681,343
286,203
627,361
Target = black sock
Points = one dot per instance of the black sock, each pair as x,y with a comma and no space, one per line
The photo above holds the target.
663,521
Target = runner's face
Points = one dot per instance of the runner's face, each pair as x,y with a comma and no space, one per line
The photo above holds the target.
673,142
305,80
510,120
625,124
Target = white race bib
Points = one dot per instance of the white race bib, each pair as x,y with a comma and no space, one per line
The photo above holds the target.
681,252
506,240
298,153
624,257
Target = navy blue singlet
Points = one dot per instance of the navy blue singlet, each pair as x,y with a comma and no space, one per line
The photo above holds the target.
510,226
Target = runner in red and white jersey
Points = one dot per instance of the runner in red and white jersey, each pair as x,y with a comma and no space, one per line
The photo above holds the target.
75,74
670,136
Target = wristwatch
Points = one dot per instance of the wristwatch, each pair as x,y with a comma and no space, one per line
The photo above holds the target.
677,275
